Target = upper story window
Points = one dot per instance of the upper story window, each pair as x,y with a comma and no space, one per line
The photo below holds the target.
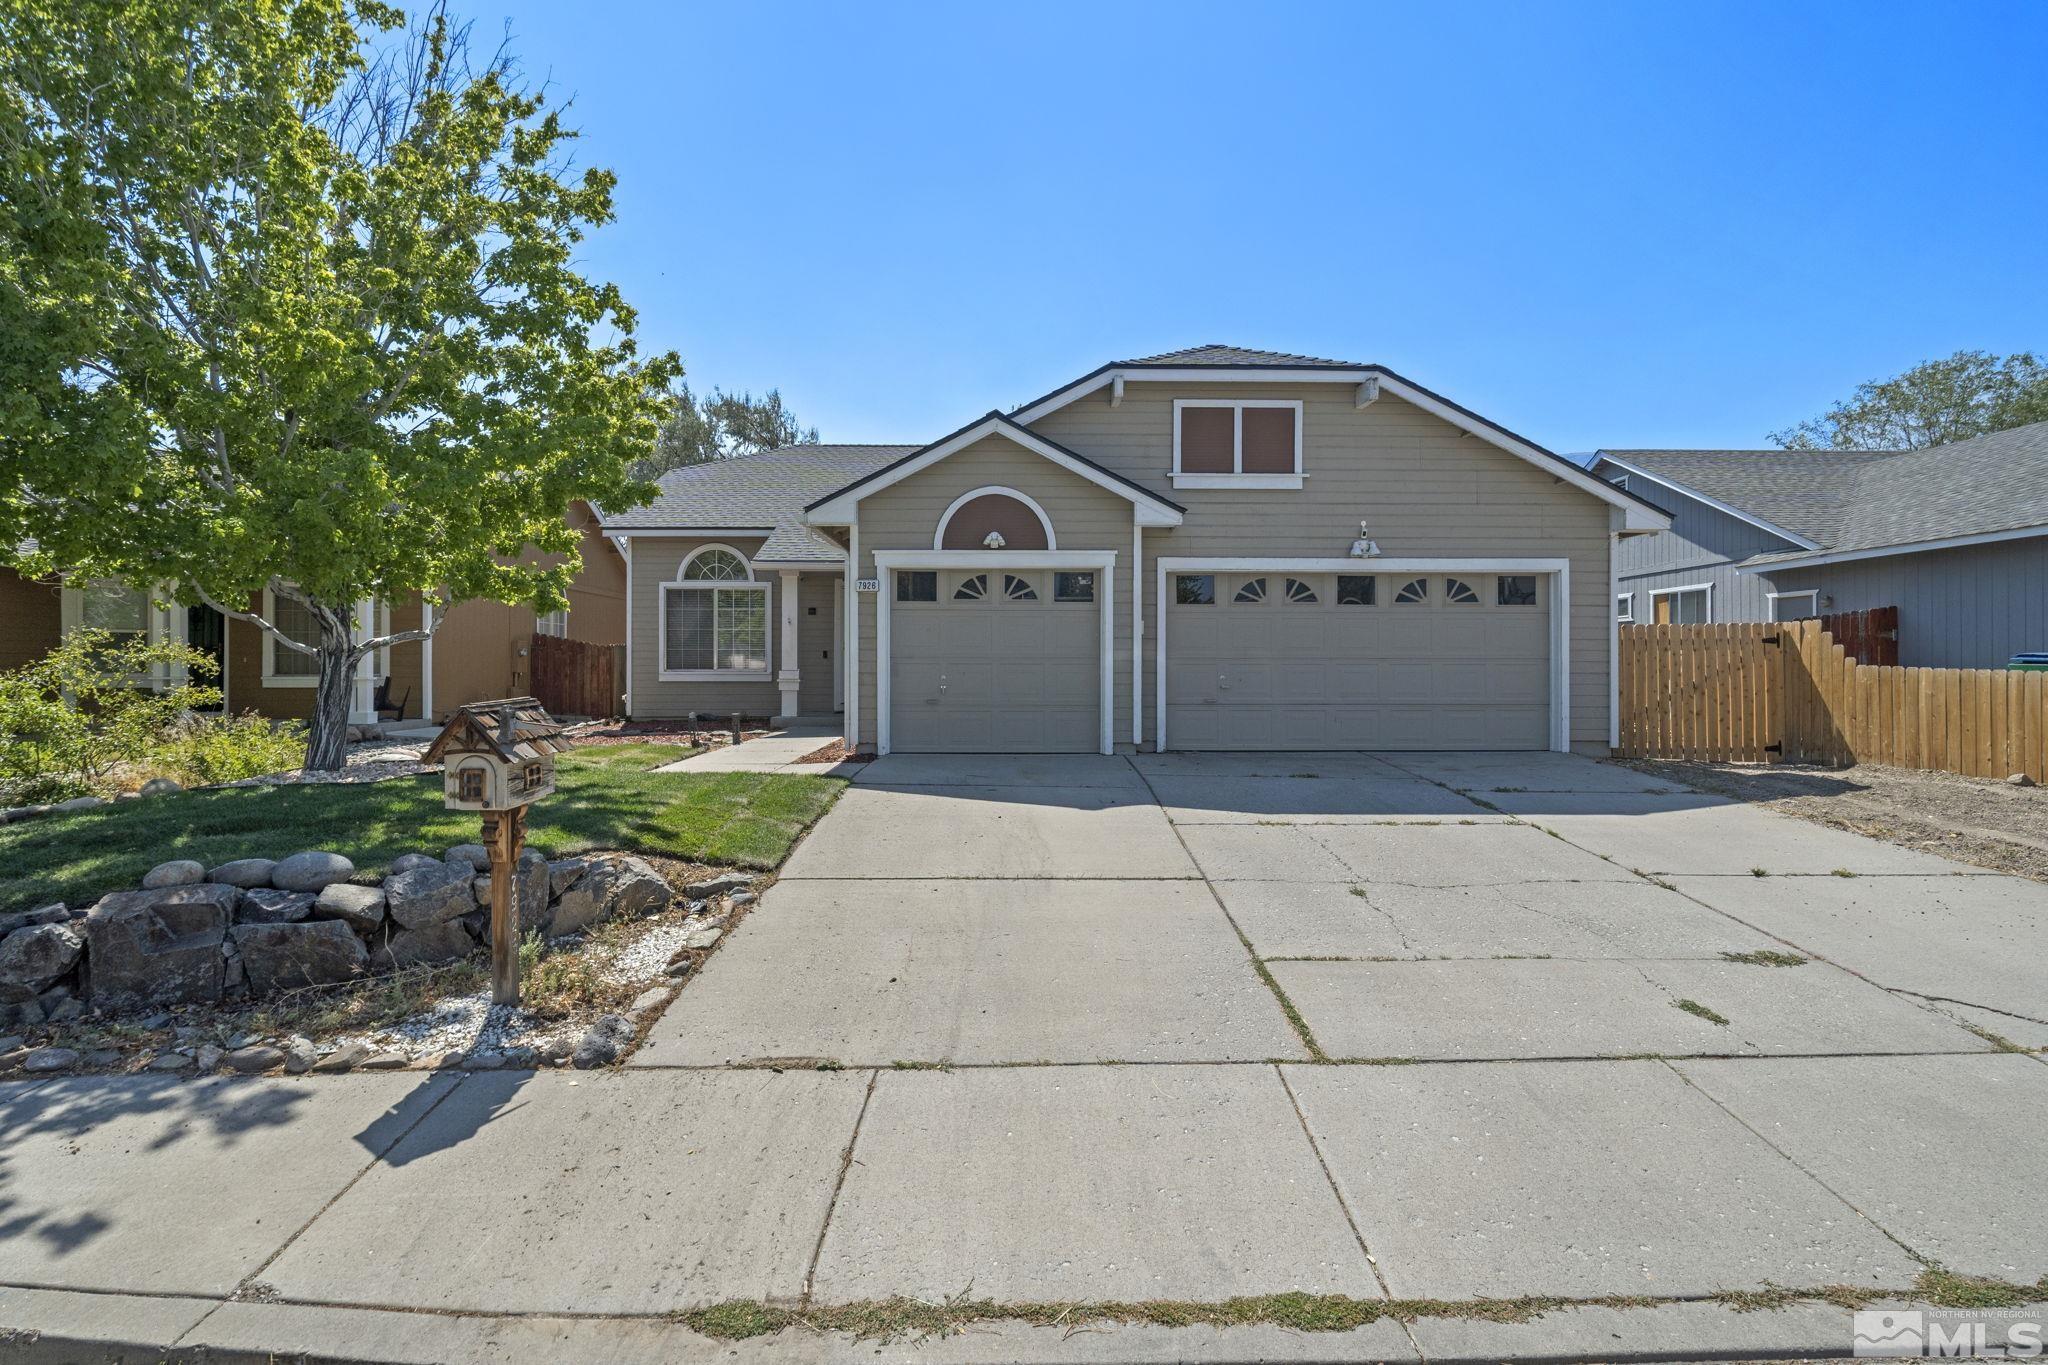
1236,443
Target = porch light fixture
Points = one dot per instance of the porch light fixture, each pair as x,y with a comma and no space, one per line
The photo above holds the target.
1364,547
993,541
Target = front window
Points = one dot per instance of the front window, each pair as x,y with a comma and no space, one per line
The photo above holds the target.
1256,442
554,623
715,620
295,620
1684,607
1795,606
116,608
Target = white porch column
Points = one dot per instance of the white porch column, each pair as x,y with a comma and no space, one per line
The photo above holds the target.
362,708
787,676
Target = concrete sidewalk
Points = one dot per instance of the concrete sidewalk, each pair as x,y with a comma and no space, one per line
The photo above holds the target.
776,751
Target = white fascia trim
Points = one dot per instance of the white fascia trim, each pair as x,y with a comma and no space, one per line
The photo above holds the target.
1137,636
946,517
1639,517
1637,471
852,650
1559,570
1614,634
1102,561
801,565
1886,551
1148,509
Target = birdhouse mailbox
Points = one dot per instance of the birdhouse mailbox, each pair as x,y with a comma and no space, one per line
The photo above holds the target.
498,758
497,755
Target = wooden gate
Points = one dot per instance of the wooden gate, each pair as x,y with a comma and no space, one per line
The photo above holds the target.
578,678
1790,692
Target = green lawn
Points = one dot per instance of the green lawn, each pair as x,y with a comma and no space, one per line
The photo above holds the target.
606,797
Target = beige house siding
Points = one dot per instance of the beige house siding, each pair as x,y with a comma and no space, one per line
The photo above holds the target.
1426,488
597,597
1084,516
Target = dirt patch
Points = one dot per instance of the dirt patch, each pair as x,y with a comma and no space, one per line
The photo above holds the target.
707,733
835,752
1976,820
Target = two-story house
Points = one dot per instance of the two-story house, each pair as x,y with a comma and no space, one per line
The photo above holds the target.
1215,548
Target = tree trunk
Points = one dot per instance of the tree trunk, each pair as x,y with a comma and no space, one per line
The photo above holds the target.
333,695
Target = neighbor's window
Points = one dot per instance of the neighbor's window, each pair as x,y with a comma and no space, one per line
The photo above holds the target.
917,585
715,620
1625,607
1686,607
554,623
1795,606
1356,589
1515,590
1073,587
295,619
1194,589
116,608
1238,438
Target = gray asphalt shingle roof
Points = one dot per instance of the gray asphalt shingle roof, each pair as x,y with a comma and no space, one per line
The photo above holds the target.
1869,499
1215,353
767,491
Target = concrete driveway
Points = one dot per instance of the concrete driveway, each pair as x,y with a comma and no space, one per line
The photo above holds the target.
1182,1028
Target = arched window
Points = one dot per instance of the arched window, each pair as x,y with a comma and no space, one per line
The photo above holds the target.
714,619
1413,591
994,519
1254,590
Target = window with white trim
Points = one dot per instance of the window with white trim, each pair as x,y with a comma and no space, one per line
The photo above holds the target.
714,619
112,606
555,623
1795,606
1237,442
281,663
1625,607
1682,607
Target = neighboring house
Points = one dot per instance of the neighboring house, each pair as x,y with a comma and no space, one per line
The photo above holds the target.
1211,549
479,651
1956,537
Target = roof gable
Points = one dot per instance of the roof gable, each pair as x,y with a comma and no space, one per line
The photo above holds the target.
1148,507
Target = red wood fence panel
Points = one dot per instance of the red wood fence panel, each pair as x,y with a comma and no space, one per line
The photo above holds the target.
578,678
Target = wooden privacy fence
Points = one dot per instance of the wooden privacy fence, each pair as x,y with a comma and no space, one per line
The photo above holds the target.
1868,637
1788,692
578,678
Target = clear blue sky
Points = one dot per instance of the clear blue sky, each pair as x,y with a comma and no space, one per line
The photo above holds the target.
1626,225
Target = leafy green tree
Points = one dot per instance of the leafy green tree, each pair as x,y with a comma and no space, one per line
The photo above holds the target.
1969,394
698,431
287,300
70,720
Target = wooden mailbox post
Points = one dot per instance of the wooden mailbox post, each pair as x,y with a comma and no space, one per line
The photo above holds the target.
498,758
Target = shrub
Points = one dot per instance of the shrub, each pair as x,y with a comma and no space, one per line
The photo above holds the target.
73,720
208,749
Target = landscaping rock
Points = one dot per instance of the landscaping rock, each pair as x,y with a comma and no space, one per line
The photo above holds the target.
2020,780
484,1061
28,1014
610,890
10,1060
343,1058
564,874
79,803
555,1050
64,1011
32,958
168,1061
649,1000
718,886
411,862
481,889
360,907
210,1055
432,895
703,936
160,786
11,1043
249,1060
319,952
177,872
473,856
312,871
43,1060
159,947
300,1056
430,946
606,1041
246,873
739,898
156,1021
478,925
55,913
265,906
385,1061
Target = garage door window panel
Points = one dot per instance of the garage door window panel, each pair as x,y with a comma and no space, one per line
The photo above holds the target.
1415,592
1357,590
1300,594
972,589
1073,587
1017,589
917,585
1515,590
1251,592
1459,593
1194,590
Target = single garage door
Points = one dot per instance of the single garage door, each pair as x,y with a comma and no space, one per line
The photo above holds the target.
994,661
1357,661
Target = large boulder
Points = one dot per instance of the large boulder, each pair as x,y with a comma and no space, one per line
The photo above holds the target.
360,907
475,855
54,913
530,894
430,895
159,947
406,862
265,906
428,946
313,871
609,889
565,873
32,958
177,872
278,957
244,872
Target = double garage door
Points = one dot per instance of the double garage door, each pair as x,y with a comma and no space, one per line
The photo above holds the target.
1008,661
1357,661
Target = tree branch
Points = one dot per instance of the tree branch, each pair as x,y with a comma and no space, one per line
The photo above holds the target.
255,620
